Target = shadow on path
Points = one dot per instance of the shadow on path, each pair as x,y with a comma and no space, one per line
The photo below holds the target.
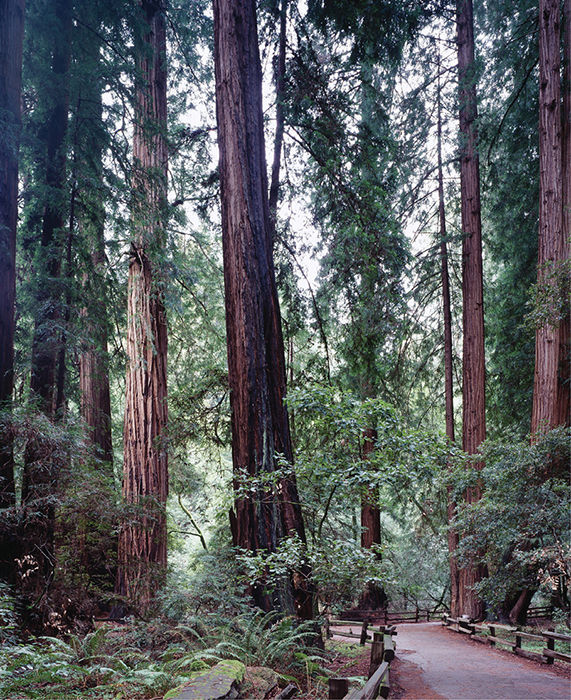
436,664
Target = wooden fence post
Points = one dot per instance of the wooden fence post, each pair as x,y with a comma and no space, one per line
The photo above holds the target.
550,645
377,653
363,639
338,688
385,686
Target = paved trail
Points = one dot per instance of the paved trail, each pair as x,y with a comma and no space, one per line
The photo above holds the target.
437,664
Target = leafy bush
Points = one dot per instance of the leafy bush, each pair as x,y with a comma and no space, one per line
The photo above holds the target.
520,528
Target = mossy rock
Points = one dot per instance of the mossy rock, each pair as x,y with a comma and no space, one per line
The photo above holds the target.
221,681
258,682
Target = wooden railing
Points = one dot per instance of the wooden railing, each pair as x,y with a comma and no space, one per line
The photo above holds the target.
388,617
489,633
382,653
540,612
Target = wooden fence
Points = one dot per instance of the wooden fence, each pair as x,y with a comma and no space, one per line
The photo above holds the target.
490,633
382,653
540,612
389,617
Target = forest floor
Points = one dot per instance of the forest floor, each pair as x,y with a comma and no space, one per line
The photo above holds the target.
433,663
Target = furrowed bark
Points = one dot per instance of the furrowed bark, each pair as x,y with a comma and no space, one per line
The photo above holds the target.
448,358
564,382
256,363
473,374
550,249
143,540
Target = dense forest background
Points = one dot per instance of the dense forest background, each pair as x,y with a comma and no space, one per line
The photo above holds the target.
421,454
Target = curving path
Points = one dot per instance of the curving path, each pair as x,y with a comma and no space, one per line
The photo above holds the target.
437,664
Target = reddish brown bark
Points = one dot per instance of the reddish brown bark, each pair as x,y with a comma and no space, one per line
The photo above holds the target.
143,541
473,374
370,512
256,364
564,385
550,250
448,357
11,37
373,597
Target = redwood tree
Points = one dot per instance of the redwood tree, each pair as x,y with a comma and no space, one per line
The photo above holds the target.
45,344
11,37
545,387
143,538
40,472
448,357
256,365
473,374
93,364
564,388
551,380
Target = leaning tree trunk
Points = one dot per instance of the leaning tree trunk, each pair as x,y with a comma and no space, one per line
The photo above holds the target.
448,358
473,375
143,539
256,364
550,250
11,37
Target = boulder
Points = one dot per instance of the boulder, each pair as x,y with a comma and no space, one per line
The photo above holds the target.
258,682
221,681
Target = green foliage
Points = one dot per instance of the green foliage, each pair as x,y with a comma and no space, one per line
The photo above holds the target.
263,639
97,665
520,526
402,475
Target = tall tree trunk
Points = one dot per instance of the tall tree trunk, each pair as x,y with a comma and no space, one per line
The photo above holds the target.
374,596
11,38
143,541
473,374
448,357
370,512
279,135
44,350
40,474
93,363
564,386
256,363
547,337
94,373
